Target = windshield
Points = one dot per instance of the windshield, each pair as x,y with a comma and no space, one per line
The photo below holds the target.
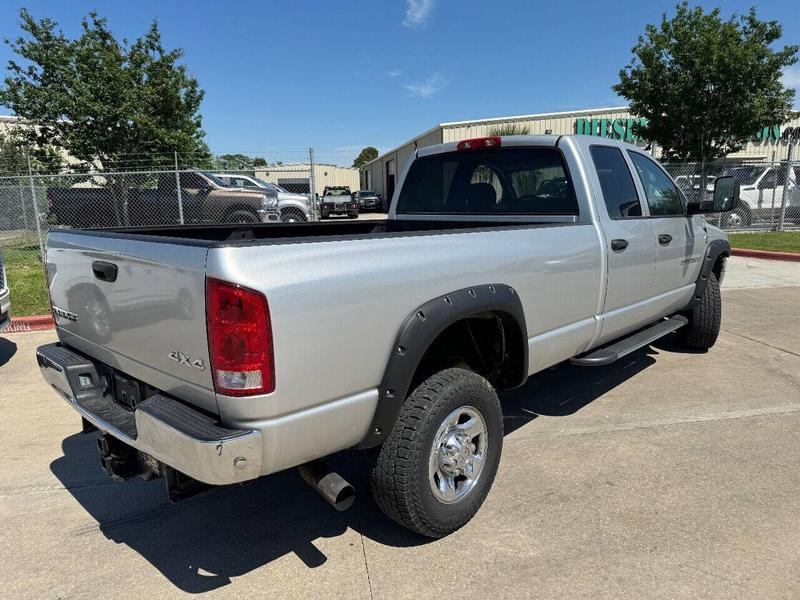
339,192
273,187
745,175
367,193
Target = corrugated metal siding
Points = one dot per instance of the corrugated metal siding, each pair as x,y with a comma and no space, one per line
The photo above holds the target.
558,124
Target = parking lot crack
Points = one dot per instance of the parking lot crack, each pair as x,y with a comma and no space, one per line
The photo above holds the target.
741,335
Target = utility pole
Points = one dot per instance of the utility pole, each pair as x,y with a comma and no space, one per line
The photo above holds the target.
312,184
786,180
35,206
178,187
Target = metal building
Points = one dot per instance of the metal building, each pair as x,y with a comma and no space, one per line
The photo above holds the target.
381,174
295,176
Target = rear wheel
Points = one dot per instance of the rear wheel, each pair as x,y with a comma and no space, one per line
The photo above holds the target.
438,463
705,319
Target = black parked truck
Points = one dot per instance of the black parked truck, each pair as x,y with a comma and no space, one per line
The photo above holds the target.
338,200
154,200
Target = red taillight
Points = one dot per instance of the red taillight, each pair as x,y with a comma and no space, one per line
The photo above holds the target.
239,339
479,143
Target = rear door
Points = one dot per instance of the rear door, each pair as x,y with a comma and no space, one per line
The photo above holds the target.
630,242
135,305
680,239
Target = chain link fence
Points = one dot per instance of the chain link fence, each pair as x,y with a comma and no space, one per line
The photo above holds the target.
33,203
769,193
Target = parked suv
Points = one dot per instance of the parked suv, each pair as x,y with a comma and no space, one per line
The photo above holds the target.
368,200
5,302
293,208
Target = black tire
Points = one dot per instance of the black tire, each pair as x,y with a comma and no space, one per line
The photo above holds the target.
242,216
353,216
704,319
399,474
292,215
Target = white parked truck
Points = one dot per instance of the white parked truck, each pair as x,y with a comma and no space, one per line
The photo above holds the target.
212,355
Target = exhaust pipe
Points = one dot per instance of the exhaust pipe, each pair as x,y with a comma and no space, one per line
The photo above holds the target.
330,485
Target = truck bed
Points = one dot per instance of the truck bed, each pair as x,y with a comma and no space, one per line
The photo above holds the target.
269,233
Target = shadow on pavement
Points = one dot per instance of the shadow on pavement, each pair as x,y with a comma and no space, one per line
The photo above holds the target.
202,543
7,350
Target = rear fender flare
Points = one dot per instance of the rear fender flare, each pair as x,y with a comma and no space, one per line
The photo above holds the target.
418,332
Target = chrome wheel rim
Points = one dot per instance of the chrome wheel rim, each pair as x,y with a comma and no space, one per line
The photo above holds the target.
458,455
734,220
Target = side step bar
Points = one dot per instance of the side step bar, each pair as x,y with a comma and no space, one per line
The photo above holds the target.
609,354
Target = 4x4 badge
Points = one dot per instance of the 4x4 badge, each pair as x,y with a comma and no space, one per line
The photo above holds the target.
186,361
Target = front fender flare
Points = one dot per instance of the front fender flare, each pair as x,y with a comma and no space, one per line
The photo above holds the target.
421,328
714,250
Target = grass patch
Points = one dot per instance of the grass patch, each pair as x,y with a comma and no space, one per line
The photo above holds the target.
26,280
775,241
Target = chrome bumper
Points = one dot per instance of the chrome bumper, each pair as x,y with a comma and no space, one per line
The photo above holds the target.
169,431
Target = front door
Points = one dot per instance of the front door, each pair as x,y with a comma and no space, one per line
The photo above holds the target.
680,239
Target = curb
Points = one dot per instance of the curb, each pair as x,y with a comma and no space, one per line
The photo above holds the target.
26,324
788,256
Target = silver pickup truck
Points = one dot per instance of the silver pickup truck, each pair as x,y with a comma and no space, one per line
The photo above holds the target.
213,355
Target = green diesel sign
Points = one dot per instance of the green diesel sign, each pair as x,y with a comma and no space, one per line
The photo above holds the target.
623,129
617,129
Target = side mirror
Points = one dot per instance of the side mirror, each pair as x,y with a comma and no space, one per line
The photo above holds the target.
725,197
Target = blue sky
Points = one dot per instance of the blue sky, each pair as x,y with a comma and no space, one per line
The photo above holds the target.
283,76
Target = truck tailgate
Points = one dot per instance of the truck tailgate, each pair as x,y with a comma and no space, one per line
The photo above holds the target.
135,305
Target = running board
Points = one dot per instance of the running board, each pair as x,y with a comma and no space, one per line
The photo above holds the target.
609,354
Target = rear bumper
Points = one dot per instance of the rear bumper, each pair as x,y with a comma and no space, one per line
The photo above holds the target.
169,431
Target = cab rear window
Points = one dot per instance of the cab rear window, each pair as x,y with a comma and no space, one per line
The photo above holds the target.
504,181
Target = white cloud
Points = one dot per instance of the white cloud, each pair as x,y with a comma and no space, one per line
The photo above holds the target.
418,13
428,88
791,77
395,73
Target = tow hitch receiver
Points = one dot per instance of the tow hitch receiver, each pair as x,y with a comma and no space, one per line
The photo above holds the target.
121,462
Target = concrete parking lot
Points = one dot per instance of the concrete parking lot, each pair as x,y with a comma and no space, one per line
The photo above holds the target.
666,475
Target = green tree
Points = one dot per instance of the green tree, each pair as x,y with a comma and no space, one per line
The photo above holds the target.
12,157
105,102
367,154
233,162
706,85
259,161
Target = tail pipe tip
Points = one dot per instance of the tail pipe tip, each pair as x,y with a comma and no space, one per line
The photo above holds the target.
329,484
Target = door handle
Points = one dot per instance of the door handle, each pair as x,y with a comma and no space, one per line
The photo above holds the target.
618,245
664,239
105,271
